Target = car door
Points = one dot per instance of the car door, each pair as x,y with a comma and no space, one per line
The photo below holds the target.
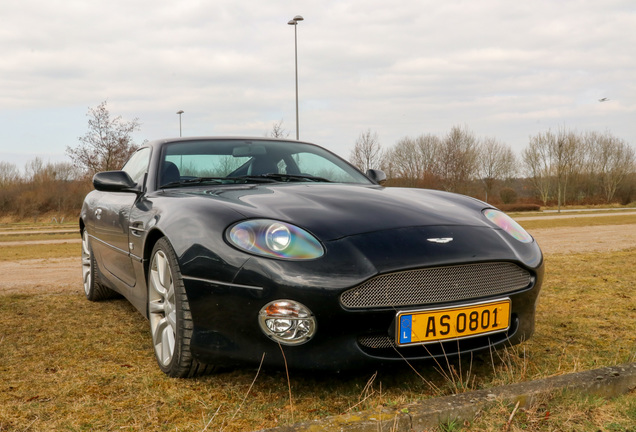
112,222
111,231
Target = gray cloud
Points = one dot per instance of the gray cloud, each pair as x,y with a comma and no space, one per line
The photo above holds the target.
409,67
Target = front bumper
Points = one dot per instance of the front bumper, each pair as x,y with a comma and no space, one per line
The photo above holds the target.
225,314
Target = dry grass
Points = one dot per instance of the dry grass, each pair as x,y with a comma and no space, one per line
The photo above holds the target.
562,411
44,251
68,364
564,221
8,223
35,237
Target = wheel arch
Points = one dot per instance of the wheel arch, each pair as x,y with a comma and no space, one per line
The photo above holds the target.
151,239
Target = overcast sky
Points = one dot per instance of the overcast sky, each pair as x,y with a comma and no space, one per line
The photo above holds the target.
400,68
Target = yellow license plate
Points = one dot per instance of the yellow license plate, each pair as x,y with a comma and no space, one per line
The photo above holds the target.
434,325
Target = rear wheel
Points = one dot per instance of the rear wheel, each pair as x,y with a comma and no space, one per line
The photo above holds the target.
93,289
169,314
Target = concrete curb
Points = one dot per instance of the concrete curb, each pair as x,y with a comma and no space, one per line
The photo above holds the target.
608,382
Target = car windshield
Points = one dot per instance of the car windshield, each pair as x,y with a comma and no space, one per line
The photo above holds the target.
251,161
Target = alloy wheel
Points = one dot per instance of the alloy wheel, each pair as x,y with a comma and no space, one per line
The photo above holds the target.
162,308
87,274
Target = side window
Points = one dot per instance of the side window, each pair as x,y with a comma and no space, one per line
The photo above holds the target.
137,165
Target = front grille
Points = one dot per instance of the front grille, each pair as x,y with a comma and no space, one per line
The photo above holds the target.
437,285
384,347
376,342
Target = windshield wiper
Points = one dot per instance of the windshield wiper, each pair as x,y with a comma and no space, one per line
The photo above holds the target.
193,181
286,177
262,178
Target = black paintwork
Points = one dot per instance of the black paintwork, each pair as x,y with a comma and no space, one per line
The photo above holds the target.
365,229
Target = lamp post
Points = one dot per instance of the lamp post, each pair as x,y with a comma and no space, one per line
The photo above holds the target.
180,112
294,22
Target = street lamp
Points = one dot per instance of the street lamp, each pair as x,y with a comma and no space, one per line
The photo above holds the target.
294,22
180,112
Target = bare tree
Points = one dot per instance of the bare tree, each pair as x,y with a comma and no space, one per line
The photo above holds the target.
458,159
587,184
108,143
415,161
367,153
38,172
278,131
614,159
9,174
567,160
551,160
495,162
35,170
429,148
404,160
538,165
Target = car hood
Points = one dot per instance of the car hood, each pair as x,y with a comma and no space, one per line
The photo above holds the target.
333,211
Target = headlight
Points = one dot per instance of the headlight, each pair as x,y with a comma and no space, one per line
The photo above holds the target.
287,322
507,224
274,239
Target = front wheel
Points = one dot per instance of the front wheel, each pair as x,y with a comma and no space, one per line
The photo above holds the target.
169,314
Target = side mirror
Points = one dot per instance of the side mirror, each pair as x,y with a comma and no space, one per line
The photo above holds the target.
114,181
377,176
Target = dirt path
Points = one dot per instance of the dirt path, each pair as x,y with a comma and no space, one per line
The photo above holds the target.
574,216
602,238
37,274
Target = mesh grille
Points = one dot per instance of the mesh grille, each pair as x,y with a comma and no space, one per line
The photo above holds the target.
376,342
437,285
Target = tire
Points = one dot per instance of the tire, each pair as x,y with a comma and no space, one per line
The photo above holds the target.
169,315
93,288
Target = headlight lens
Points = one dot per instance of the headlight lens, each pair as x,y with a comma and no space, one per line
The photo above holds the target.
287,322
507,224
278,237
274,239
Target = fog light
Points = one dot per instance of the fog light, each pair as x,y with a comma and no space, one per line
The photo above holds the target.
287,322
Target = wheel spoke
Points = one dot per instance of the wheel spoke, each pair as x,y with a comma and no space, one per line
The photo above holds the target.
86,277
164,341
161,277
155,284
163,269
156,307
170,301
85,249
171,317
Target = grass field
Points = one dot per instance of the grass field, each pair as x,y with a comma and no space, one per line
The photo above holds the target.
69,364
44,251
579,221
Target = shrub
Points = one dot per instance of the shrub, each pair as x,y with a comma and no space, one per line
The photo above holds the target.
519,207
508,195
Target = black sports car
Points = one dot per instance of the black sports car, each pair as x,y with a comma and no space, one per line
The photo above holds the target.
239,248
